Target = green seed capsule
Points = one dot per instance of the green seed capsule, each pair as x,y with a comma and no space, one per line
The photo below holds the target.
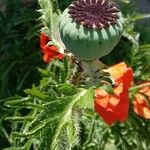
91,29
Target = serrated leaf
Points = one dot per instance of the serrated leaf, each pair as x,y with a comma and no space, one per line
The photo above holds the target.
61,111
47,11
71,133
86,101
52,120
67,89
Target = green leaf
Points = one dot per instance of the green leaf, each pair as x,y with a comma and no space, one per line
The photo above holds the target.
72,133
47,11
67,68
66,71
9,99
17,102
57,63
36,93
66,115
19,119
28,144
87,100
67,89
44,72
52,121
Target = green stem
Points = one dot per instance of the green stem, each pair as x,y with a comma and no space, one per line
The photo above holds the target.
140,86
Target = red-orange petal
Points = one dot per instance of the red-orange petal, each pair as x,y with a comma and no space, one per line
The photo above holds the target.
112,107
100,92
49,49
121,73
118,70
60,56
107,115
140,106
145,90
44,39
46,58
115,107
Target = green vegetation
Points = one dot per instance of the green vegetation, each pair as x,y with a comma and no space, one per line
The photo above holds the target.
40,107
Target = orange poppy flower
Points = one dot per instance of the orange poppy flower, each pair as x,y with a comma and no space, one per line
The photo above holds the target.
49,51
140,103
114,107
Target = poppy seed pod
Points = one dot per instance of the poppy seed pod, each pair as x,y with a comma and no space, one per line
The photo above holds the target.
90,29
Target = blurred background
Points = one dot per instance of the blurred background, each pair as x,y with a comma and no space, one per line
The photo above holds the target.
19,45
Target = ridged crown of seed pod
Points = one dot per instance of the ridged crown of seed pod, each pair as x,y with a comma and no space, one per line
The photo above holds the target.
90,29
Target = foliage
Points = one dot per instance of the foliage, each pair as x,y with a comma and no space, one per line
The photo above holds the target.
50,104
18,55
57,114
53,112
19,51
